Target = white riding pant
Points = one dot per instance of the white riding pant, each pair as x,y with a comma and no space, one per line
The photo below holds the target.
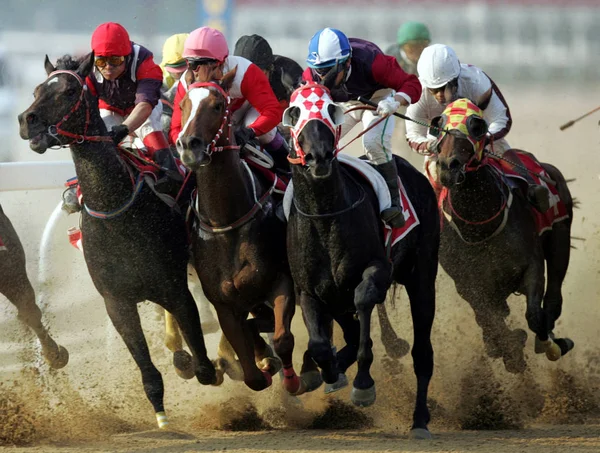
246,115
377,142
152,124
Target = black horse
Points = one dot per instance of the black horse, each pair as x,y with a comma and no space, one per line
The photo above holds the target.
135,246
338,259
15,285
490,246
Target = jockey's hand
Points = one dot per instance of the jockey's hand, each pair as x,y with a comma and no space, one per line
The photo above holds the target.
432,147
243,135
118,133
387,107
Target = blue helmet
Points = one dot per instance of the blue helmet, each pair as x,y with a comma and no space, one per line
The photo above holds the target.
327,48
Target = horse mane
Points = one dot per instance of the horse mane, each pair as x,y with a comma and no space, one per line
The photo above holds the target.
69,63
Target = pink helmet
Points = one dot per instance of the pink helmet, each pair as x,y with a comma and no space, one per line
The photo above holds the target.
206,42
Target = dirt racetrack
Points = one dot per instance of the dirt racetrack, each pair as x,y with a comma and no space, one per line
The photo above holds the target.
96,403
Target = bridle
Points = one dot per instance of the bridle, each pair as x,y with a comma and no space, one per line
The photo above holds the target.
55,130
226,121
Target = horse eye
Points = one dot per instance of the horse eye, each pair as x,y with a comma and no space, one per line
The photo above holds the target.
71,92
218,106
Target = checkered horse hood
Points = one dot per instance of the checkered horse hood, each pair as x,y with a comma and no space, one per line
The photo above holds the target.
464,116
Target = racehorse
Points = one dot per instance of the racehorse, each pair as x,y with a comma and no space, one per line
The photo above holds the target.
15,285
490,244
238,242
135,246
337,252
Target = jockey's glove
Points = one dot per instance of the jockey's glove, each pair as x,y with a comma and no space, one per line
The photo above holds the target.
432,147
243,135
387,107
118,133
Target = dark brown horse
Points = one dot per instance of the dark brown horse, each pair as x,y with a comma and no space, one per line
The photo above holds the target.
338,259
239,244
491,249
15,285
135,246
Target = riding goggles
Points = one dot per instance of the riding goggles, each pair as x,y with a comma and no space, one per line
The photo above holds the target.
113,61
195,63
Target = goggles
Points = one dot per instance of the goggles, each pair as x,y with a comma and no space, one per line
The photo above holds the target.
114,61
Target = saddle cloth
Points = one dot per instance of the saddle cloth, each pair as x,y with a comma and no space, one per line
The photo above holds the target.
366,170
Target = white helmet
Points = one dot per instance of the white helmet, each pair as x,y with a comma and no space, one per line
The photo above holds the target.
437,66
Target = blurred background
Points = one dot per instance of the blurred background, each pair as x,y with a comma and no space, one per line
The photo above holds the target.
522,43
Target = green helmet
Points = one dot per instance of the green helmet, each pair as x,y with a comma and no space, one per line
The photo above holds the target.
413,31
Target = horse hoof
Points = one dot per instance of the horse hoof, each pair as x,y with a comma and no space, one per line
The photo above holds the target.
58,360
419,434
553,353
184,364
540,347
311,381
363,397
162,420
219,376
291,381
565,345
270,364
337,385
268,377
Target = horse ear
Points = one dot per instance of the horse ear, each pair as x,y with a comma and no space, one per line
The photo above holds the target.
477,127
86,65
336,113
48,66
227,80
291,116
436,126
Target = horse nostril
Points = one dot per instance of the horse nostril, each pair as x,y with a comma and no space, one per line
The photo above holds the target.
309,158
190,142
455,164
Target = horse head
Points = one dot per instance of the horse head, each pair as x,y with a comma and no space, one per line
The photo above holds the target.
461,132
315,123
206,119
56,114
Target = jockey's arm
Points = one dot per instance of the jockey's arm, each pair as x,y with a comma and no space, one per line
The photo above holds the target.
138,116
416,135
387,72
255,87
497,114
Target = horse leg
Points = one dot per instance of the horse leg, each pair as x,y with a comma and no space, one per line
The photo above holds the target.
395,347
185,312
499,340
182,361
284,302
126,319
557,248
232,365
263,321
21,294
318,324
421,292
370,291
240,336
348,354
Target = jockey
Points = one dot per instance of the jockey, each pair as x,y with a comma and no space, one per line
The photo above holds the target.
127,82
412,38
173,64
444,80
352,68
255,110
284,73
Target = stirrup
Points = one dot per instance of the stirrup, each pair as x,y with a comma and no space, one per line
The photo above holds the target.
70,202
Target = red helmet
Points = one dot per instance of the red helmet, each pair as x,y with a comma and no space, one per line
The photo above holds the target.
111,40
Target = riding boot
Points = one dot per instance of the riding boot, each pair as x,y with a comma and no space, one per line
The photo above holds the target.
279,150
393,215
537,195
159,151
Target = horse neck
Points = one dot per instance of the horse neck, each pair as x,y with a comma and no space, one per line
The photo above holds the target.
103,178
478,197
225,191
321,196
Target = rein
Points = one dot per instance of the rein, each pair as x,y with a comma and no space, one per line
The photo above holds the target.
55,130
